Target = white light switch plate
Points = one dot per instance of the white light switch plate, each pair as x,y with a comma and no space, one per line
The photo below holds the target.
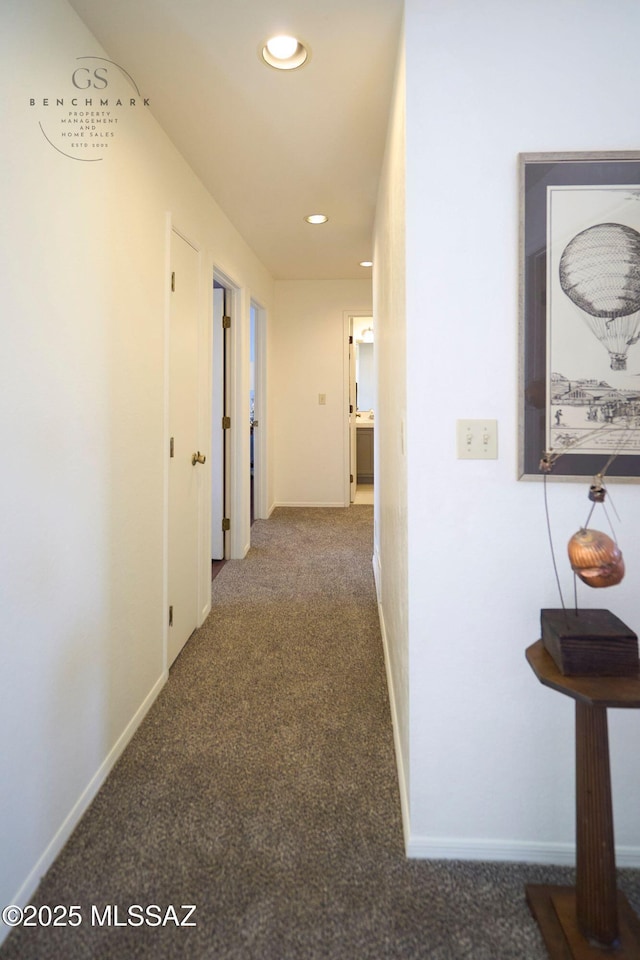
477,439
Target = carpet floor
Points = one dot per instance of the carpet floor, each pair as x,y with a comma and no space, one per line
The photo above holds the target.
261,787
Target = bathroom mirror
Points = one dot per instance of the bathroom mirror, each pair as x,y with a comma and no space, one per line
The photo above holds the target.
365,379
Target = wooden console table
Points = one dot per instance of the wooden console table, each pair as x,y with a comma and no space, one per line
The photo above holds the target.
593,919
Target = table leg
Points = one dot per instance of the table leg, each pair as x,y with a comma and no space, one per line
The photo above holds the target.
591,920
596,895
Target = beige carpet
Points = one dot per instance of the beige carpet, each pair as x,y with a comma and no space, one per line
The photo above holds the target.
262,788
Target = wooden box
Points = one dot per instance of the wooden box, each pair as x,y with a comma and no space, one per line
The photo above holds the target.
590,643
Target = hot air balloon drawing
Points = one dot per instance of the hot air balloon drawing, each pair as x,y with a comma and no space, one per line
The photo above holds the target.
600,273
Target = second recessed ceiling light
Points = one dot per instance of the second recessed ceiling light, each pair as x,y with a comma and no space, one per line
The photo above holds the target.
317,218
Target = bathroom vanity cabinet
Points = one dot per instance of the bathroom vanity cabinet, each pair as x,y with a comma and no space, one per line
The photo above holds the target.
364,451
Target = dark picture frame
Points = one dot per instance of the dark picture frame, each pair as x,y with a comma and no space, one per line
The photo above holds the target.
577,197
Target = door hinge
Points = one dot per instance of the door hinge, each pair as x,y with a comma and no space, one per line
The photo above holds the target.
226,524
350,408
350,478
350,338
170,446
173,281
226,423
171,616
226,323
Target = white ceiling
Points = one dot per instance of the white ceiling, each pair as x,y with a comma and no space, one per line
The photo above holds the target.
271,146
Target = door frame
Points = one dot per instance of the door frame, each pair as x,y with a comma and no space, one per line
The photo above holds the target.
260,499
237,368
353,403
233,340
219,407
349,316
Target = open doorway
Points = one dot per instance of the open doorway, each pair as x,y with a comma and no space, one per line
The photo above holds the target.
362,403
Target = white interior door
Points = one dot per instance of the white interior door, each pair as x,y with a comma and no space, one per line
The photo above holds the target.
185,476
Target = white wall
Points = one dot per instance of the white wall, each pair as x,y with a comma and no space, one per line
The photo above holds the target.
307,350
83,250
391,528
491,749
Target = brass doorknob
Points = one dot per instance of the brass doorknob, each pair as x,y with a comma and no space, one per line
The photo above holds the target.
198,458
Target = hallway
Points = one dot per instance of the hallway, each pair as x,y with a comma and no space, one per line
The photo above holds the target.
261,788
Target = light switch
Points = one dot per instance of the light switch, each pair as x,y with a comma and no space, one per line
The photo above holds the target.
477,439
322,399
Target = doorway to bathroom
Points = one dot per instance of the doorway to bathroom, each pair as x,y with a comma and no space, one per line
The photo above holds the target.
361,408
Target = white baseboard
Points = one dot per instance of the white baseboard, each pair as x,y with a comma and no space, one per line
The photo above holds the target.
452,848
628,857
402,778
21,898
377,573
557,854
309,503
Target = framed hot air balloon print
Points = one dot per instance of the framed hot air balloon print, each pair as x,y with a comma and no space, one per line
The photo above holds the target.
580,315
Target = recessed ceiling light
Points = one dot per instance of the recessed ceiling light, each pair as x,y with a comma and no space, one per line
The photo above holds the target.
317,218
282,48
366,263
284,53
